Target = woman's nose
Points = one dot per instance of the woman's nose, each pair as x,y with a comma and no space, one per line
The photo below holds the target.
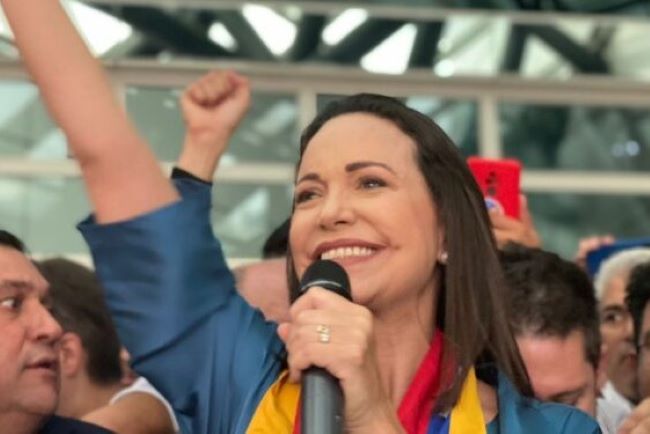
337,210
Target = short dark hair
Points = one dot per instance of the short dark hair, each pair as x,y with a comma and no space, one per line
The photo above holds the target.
276,244
638,296
550,296
78,305
469,307
7,239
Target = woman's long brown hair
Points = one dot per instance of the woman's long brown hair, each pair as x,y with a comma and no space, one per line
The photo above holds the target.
470,308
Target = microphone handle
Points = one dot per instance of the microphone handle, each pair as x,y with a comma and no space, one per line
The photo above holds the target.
322,403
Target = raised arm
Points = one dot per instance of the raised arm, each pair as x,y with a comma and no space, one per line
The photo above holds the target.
212,106
121,174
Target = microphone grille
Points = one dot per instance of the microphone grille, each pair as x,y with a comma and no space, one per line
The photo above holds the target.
326,274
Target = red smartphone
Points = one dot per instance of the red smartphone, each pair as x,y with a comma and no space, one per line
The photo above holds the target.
499,181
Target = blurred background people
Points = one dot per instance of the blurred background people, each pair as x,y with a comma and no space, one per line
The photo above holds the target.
89,358
555,320
638,303
29,338
616,326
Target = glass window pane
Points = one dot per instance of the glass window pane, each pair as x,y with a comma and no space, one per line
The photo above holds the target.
576,137
562,219
244,215
457,118
43,212
26,130
269,132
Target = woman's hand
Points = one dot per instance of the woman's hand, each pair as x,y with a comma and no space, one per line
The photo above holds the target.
330,332
213,106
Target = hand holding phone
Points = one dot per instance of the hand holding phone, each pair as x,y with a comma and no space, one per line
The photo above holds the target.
522,231
499,181
596,257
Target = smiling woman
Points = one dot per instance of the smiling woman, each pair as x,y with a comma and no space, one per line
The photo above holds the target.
381,189
418,181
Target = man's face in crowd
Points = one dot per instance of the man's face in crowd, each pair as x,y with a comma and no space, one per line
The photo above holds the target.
559,370
617,330
644,355
29,376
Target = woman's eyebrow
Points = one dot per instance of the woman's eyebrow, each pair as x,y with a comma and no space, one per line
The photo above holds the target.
357,165
309,177
350,167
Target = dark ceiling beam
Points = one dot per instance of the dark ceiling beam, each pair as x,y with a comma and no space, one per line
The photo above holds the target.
308,37
601,38
362,40
249,43
425,46
514,52
529,4
579,56
168,31
638,7
137,45
145,49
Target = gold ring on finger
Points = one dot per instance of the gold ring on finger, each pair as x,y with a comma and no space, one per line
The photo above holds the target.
324,334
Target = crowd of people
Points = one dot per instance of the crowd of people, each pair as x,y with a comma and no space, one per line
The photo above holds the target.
459,322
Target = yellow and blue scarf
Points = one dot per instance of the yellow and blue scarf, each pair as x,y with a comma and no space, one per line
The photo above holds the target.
279,410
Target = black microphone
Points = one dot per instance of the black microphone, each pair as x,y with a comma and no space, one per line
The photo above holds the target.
322,397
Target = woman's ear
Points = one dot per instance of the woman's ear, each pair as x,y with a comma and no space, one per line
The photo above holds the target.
72,357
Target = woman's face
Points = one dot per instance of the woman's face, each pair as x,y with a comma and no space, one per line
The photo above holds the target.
361,201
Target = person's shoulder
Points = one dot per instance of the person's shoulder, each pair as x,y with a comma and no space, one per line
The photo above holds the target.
560,418
143,386
63,425
521,414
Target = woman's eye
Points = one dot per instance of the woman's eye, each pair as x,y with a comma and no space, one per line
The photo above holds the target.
371,183
304,196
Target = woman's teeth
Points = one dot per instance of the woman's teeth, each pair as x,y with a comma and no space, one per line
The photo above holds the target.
344,252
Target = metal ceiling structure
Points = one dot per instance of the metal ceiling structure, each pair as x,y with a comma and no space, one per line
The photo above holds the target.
180,28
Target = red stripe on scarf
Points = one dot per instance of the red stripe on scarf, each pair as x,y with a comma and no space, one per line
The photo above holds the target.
417,405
